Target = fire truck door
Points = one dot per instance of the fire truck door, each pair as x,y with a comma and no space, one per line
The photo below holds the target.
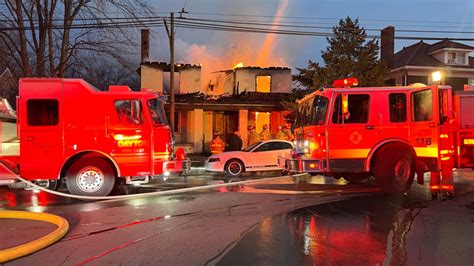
161,135
131,135
41,133
351,132
424,124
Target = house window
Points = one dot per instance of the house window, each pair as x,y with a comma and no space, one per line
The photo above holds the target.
451,58
44,112
456,58
263,83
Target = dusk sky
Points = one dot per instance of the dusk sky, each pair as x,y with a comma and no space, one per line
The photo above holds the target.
223,49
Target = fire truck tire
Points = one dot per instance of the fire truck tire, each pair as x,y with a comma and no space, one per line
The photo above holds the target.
234,168
394,169
90,176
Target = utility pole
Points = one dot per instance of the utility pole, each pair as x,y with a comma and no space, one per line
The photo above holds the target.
170,32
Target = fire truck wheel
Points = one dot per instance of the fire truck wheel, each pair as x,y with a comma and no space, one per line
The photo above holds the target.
394,168
234,168
91,176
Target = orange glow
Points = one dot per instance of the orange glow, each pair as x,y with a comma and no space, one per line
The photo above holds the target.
269,42
312,165
443,136
238,65
435,187
264,83
468,141
345,103
124,137
445,158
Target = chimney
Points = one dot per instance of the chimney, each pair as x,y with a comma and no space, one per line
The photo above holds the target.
387,45
145,37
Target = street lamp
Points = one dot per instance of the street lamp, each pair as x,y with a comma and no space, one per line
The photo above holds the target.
436,76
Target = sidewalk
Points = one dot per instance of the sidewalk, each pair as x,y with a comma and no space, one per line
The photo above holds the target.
434,233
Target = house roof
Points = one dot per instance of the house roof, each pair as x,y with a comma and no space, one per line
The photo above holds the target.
446,43
419,54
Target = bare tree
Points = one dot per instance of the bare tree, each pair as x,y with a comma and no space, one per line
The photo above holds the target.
48,37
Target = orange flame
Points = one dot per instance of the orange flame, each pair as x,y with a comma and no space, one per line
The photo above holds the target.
238,65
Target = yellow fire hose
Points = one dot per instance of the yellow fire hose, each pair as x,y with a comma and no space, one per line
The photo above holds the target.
35,245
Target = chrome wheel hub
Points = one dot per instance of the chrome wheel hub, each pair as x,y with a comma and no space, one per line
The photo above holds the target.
235,168
90,179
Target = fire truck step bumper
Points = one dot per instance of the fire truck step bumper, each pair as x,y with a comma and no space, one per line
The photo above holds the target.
303,166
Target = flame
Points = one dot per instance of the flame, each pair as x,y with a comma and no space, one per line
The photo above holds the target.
269,43
238,65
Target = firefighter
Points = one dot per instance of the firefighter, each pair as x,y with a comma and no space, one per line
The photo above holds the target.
445,184
253,135
265,134
280,134
288,135
217,144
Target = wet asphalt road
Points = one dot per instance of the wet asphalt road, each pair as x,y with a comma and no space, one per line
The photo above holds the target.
360,231
271,223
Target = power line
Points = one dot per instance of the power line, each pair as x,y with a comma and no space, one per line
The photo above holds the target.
223,26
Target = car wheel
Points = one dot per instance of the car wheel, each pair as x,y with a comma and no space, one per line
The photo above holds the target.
91,176
234,168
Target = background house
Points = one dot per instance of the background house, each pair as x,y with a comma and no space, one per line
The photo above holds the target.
234,99
415,63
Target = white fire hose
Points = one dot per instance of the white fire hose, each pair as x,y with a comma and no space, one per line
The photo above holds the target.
157,193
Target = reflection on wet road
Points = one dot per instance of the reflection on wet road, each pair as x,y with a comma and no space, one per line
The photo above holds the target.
351,232
44,202
330,234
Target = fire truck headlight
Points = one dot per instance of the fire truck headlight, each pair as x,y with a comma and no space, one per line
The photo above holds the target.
166,173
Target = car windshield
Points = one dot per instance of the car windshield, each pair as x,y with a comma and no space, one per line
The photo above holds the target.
157,113
251,147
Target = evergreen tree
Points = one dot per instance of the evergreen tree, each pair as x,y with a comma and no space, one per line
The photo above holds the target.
348,55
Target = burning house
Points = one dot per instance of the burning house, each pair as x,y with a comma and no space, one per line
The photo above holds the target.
232,100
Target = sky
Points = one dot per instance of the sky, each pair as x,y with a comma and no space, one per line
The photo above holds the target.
221,50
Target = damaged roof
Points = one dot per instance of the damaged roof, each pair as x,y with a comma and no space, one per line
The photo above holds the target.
251,100
165,66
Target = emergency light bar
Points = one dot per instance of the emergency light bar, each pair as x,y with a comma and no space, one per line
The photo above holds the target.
347,82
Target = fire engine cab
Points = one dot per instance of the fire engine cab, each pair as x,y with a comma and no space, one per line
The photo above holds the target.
69,130
390,133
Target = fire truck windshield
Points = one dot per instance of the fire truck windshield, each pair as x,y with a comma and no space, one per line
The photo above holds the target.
312,112
157,113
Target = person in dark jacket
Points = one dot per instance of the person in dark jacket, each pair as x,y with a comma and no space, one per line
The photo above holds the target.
235,142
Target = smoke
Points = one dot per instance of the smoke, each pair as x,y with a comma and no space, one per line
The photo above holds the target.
269,43
222,50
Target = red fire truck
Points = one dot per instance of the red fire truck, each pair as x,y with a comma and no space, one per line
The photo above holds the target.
390,133
69,130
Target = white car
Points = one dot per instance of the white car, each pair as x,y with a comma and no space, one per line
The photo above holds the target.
261,156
